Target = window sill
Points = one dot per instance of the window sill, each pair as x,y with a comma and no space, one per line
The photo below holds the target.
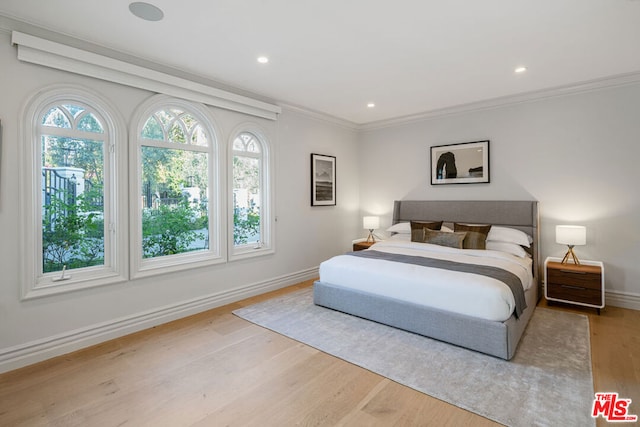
50,288
250,252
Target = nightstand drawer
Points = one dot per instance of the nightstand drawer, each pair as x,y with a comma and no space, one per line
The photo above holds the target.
573,292
573,277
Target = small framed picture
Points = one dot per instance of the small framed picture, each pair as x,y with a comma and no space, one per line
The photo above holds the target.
323,180
464,163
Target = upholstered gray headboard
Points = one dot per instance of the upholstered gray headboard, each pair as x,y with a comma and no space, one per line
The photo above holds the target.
519,214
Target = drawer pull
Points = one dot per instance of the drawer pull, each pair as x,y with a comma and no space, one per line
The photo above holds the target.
573,271
572,287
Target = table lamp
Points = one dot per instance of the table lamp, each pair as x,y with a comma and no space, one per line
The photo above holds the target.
371,223
571,235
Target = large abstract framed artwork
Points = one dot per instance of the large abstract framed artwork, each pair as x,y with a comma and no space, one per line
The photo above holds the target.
323,180
465,163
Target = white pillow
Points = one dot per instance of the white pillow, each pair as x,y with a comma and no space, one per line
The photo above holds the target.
402,237
401,227
511,248
509,235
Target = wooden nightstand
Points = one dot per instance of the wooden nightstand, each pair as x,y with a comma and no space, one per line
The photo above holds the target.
359,246
581,284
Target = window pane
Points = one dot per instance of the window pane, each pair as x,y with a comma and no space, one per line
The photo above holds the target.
74,110
165,117
152,130
246,200
199,137
90,123
175,212
176,133
246,142
189,121
72,177
253,146
56,118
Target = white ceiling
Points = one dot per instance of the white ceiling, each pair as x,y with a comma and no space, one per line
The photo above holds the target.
333,57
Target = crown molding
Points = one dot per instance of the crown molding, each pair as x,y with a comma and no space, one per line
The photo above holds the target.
326,118
566,90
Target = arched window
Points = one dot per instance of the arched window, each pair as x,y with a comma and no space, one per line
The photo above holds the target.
69,218
175,186
249,171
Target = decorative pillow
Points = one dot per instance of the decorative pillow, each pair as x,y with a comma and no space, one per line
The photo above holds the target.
476,235
510,248
444,238
401,228
509,235
417,233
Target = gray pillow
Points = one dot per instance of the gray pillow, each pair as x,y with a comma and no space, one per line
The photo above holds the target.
444,238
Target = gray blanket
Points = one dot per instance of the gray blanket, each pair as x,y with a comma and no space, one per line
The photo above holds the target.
507,277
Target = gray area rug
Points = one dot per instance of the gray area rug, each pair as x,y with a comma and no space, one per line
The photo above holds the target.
547,383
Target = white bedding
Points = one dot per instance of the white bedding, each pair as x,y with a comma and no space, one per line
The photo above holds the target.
463,293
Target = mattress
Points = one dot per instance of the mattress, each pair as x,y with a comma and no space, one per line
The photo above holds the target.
462,293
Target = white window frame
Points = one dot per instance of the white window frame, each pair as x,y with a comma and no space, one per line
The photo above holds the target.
267,218
35,283
142,267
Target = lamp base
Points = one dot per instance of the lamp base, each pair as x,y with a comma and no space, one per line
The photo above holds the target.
570,254
370,238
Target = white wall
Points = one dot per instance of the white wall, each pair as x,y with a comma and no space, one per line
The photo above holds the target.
578,155
320,231
36,329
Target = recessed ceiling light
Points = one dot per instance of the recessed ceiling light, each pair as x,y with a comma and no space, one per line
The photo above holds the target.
146,11
371,105
263,59
520,70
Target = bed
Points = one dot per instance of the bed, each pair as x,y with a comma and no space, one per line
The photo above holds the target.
360,284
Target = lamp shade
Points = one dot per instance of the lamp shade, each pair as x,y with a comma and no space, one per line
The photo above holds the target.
575,235
371,222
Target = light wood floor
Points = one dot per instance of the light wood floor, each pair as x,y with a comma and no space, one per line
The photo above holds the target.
215,369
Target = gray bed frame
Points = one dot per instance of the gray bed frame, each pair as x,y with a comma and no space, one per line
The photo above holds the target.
498,339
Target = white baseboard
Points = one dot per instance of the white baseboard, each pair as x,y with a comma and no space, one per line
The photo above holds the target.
36,351
622,299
